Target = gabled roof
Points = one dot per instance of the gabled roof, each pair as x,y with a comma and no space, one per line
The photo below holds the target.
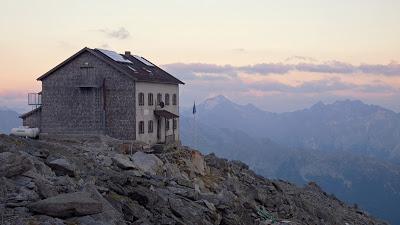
137,70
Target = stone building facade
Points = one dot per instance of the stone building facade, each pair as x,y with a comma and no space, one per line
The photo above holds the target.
96,92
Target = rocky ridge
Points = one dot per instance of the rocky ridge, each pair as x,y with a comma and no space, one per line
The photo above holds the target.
102,181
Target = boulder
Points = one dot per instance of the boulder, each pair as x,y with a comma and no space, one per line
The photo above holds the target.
123,162
45,189
62,167
148,163
68,205
198,164
13,164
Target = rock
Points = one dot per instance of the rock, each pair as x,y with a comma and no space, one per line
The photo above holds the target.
65,184
88,220
68,205
45,189
209,205
22,198
13,164
183,188
45,220
172,171
148,163
123,162
104,160
62,167
109,215
198,164
41,153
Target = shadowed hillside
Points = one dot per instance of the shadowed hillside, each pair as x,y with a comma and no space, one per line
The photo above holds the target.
93,181
349,148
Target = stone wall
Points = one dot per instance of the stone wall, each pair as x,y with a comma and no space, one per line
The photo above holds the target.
71,105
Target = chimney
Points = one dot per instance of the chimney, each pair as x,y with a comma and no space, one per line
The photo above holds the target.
127,53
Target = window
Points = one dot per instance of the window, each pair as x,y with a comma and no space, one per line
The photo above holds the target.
159,98
150,128
174,124
141,127
166,99
174,99
141,98
150,99
166,124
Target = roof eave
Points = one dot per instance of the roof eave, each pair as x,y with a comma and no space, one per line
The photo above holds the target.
62,64
76,55
30,112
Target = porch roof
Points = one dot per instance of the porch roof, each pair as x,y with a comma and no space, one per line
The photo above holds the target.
166,114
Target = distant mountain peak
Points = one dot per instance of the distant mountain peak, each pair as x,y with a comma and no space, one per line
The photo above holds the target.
218,98
349,102
339,104
318,105
214,101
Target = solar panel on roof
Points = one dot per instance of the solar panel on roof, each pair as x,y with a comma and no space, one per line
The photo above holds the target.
143,60
114,56
134,70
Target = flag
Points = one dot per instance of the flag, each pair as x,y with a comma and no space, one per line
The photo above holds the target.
194,108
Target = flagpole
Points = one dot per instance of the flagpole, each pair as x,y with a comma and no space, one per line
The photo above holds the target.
195,132
194,126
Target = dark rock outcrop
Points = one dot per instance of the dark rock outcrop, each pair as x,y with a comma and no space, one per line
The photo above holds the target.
176,186
68,205
12,164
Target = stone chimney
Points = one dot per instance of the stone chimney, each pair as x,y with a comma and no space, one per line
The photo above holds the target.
127,53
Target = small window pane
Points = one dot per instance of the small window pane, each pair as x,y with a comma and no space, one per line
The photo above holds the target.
150,128
174,99
141,127
166,99
150,99
159,98
141,98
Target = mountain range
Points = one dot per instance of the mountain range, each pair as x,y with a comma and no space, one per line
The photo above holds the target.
349,148
8,120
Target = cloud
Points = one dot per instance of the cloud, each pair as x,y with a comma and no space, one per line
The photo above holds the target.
300,58
15,100
239,50
391,69
201,71
120,33
318,86
327,67
330,67
267,68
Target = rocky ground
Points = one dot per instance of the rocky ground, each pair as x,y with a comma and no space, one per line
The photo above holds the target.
101,181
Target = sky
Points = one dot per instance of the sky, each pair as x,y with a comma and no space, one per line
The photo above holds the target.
279,55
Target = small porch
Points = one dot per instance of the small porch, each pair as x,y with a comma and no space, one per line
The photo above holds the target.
164,126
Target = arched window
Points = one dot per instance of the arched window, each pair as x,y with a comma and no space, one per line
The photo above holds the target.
141,127
166,99
159,98
174,99
150,99
141,98
150,128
